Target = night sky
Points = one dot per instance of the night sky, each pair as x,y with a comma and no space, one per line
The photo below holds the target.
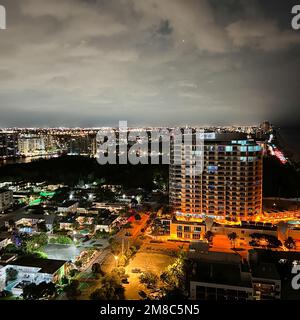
151,62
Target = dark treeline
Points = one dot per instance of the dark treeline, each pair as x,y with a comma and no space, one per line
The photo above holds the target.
71,170
279,180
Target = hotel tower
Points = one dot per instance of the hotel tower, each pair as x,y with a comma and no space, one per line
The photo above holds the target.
230,185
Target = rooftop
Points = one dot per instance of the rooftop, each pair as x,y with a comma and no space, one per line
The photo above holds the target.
270,256
4,190
68,204
265,271
49,219
219,273
46,265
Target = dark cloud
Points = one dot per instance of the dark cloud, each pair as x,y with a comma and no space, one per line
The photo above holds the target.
93,62
165,28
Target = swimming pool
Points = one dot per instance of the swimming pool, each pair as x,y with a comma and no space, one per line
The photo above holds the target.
11,285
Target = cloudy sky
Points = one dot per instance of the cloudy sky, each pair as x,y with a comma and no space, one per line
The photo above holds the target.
155,62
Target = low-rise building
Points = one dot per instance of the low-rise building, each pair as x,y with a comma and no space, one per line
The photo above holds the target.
105,223
214,279
68,206
266,281
186,230
4,241
113,207
6,199
190,230
283,261
30,223
32,270
67,222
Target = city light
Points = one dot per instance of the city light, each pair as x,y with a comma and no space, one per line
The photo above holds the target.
149,151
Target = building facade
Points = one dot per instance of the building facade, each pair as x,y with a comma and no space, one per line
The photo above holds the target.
206,279
230,186
31,145
6,199
8,145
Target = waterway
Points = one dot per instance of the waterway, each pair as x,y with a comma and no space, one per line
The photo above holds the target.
25,160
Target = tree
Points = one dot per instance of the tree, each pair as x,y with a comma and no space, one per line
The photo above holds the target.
96,269
30,292
115,246
78,263
11,223
232,237
73,273
111,289
272,241
120,273
41,226
61,239
123,259
290,243
98,294
127,225
72,290
137,216
64,280
150,279
36,242
165,277
37,291
208,236
40,254
11,274
11,248
45,289
174,274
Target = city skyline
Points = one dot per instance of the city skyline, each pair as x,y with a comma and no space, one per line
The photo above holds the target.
82,63
149,156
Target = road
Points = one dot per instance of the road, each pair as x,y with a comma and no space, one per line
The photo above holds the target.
135,230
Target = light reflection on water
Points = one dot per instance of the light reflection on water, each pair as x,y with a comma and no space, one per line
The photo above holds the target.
24,160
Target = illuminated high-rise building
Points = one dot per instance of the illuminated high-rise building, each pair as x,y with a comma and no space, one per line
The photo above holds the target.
230,186
31,145
8,144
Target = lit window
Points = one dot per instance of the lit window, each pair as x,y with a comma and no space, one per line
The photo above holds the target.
243,149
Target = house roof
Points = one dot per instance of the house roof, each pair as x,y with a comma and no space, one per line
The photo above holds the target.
68,204
49,219
49,266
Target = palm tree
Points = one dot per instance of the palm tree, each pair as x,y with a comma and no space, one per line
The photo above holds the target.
290,243
111,288
208,236
232,237
11,274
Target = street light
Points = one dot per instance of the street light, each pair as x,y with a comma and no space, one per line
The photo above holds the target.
116,259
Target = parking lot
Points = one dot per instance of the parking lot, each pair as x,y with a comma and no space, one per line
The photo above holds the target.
70,252
154,262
